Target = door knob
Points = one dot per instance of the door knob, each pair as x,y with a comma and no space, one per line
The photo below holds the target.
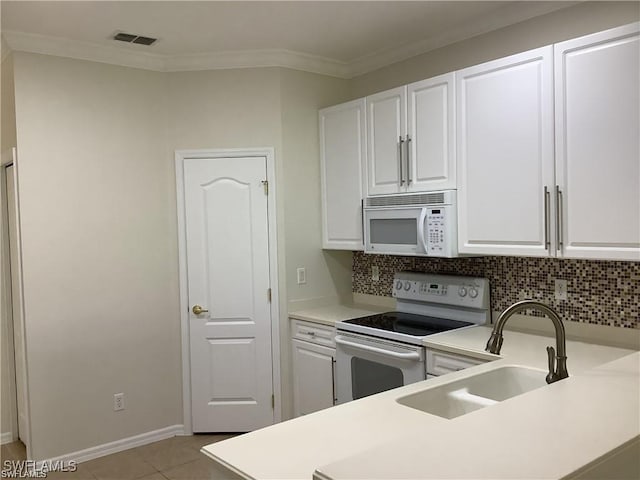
197,309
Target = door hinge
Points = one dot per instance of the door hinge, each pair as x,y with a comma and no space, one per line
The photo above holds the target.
265,184
273,401
269,295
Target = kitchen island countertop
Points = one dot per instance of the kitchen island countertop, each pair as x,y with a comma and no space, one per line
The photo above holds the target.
550,432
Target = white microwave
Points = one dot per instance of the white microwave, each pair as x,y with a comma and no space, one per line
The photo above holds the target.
422,224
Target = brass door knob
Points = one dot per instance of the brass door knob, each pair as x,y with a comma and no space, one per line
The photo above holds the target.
197,309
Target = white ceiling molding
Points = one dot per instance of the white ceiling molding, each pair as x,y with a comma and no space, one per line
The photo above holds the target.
130,55
257,58
62,47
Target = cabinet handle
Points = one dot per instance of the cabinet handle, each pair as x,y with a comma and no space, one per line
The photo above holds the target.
408,160
559,219
400,142
333,380
362,218
547,240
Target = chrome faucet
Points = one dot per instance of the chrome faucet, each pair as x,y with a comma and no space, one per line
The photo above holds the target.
557,363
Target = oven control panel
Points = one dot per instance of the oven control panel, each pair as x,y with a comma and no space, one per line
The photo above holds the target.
452,290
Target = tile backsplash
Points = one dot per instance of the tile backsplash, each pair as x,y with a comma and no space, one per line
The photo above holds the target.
599,292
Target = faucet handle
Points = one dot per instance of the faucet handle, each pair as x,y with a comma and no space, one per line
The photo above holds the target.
551,354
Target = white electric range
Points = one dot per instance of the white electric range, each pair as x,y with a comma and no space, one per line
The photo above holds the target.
384,351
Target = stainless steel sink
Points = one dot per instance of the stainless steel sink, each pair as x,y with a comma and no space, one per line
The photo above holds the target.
472,393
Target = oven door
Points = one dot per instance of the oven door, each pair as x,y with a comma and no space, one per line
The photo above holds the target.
367,365
399,230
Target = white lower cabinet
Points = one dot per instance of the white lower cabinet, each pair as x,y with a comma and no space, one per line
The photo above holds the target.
313,361
440,363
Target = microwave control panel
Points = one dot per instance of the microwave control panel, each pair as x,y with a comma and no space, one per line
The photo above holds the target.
436,231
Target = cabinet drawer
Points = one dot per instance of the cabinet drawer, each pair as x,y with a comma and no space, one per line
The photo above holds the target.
439,363
313,332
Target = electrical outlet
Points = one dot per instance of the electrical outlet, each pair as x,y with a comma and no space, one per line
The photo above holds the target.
302,275
561,289
118,402
375,273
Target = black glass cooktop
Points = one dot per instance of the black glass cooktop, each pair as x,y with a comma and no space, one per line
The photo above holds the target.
408,323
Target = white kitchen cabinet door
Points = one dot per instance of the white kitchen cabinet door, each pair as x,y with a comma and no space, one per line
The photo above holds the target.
505,155
313,377
342,157
430,129
597,89
386,127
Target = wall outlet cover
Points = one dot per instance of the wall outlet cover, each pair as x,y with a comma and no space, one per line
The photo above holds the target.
118,402
302,275
561,289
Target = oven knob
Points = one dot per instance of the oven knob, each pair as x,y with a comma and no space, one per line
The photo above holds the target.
473,293
407,286
398,285
462,291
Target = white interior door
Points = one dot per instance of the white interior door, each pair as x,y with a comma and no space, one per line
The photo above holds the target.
227,238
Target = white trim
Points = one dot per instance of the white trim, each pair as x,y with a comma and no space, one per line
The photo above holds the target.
130,56
180,157
118,446
6,437
9,157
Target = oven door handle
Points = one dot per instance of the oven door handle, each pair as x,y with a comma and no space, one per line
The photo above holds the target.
404,356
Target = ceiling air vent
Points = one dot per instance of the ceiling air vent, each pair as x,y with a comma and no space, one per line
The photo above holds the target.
130,38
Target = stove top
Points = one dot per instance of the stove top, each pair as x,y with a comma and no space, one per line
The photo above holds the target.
408,327
408,323
426,304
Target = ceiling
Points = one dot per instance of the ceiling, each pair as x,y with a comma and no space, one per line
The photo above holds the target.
340,38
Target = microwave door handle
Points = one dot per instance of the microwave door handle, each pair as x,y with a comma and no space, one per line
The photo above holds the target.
421,226
404,356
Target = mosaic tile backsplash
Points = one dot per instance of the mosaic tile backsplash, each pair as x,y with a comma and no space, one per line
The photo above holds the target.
599,292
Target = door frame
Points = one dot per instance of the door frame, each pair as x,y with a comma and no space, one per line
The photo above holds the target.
269,155
8,158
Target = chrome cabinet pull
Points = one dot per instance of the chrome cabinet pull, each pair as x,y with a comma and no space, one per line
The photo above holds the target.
362,218
547,240
408,160
400,142
559,219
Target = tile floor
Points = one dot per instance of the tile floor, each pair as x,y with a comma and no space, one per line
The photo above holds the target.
176,458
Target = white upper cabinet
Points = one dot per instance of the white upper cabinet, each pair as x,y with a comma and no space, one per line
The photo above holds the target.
410,138
505,155
597,91
386,127
430,134
342,156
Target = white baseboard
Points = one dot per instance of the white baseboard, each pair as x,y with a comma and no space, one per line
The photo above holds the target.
118,445
6,437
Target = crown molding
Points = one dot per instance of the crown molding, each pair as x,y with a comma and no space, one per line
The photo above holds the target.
63,47
131,56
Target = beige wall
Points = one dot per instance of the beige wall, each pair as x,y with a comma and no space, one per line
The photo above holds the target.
582,19
100,236
99,252
270,107
328,272
7,140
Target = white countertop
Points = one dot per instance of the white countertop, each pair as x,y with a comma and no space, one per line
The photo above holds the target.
329,315
545,433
